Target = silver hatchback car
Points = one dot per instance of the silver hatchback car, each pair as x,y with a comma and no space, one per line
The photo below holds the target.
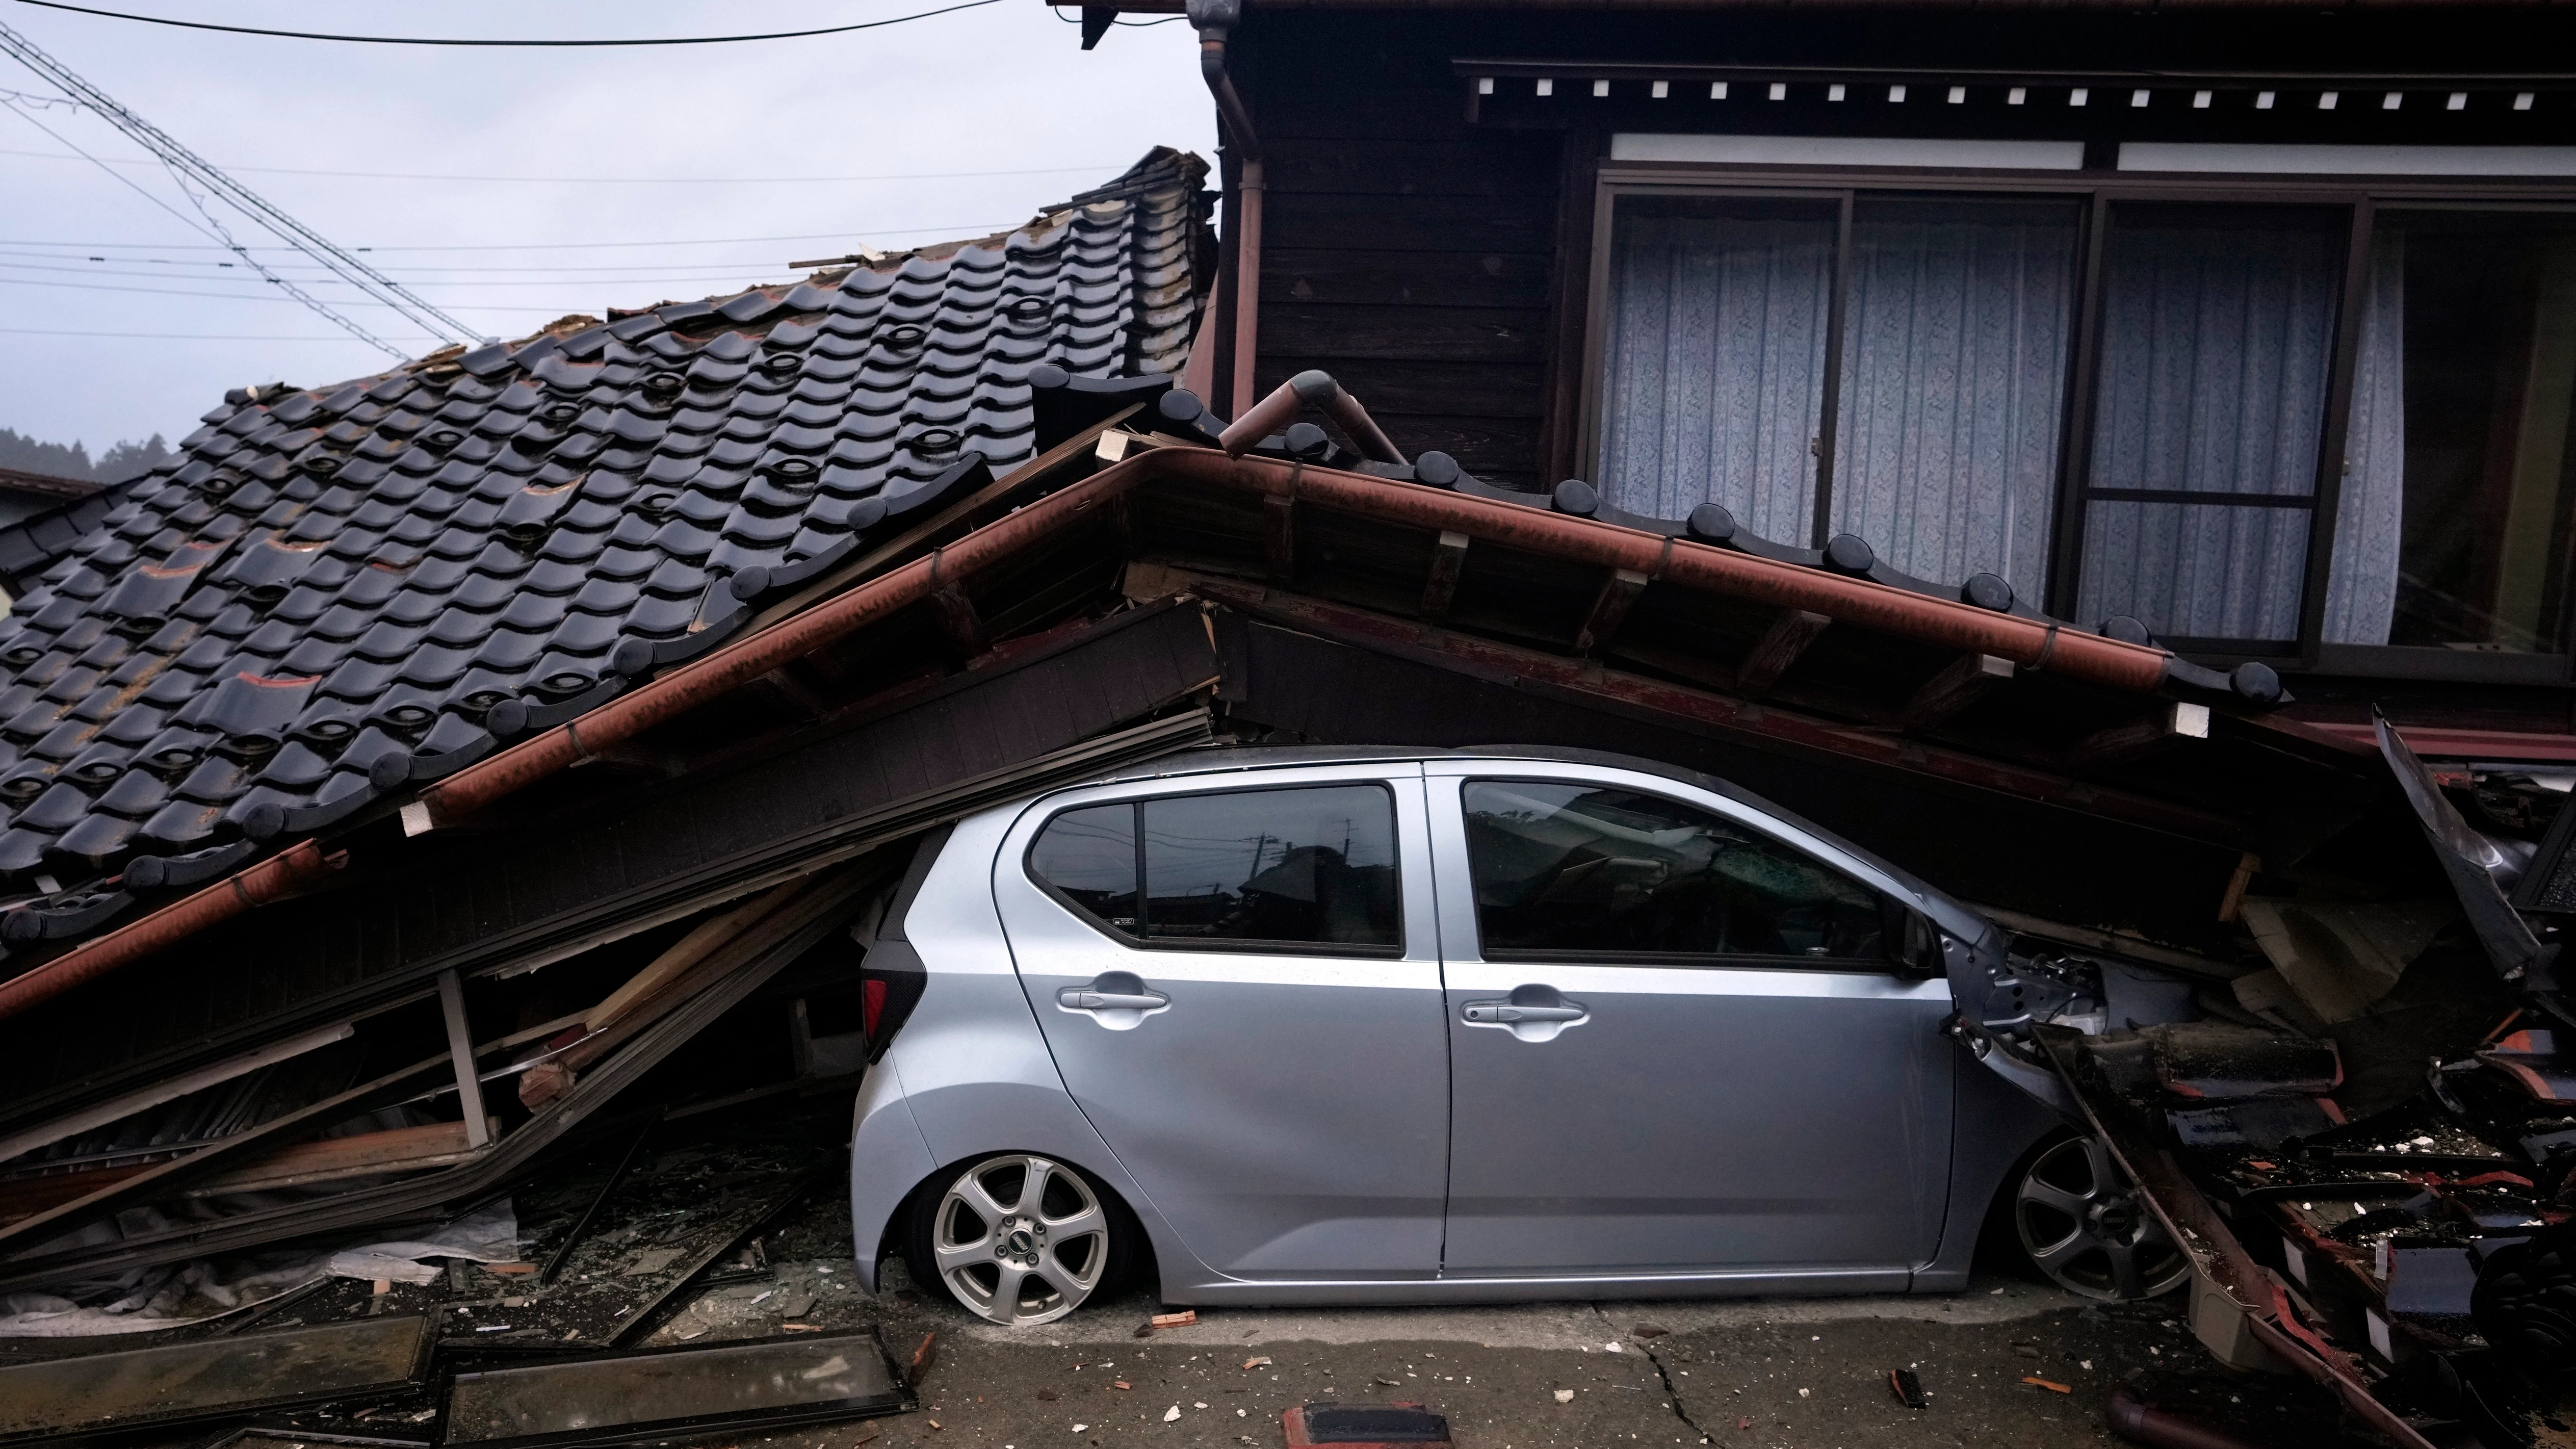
1377,1026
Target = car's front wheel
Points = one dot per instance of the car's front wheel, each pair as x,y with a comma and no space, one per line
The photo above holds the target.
1019,1239
2081,1223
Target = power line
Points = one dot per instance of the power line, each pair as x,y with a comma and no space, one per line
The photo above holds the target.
548,44
254,297
592,180
96,271
188,336
186,166
950,228
650,272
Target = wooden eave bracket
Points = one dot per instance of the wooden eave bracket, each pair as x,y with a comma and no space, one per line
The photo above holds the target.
2173,723
1448,559
1778,648
959,621
1966,680
1609,609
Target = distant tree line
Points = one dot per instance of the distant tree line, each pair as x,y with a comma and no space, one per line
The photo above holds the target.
122,461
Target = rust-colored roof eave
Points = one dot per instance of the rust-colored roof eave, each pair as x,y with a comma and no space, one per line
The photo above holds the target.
255,885
1859,602
2033,643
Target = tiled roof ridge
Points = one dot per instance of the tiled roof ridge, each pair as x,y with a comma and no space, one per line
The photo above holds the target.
337,591
49,485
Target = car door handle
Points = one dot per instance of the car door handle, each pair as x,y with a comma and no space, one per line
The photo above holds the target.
1504,1013
1535,1012
1084,998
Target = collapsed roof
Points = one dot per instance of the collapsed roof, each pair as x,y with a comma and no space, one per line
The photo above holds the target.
342,589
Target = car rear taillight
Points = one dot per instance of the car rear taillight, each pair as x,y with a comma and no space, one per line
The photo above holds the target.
872,1000
889,984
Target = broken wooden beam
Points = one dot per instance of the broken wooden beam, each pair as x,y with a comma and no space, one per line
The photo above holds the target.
1777,649
1448,558
2171,724
330,1159
1966,680
1609,608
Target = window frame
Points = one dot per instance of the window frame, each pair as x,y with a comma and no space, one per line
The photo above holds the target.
1891,909
2097,192
1393,951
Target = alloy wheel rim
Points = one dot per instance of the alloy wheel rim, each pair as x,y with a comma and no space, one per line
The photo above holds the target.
1020,1240
2084,1227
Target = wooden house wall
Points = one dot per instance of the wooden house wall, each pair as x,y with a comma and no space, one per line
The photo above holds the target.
1438,268
1403,251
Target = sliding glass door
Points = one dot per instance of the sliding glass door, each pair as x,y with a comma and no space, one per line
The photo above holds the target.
1958,324
1715,357
2217,330
1902,378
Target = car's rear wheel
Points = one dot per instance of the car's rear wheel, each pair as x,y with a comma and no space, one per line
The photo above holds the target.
1019,1239
2080,1223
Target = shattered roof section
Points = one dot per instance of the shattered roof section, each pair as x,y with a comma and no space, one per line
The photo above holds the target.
341,590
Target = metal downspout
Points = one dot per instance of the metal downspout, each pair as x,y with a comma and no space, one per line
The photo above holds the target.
1214,19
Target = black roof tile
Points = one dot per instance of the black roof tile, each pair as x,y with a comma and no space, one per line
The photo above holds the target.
324,596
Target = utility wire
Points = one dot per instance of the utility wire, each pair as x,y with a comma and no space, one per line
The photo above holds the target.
186,336
638,272
555,282
581,180
946,229
550,44
295,292
186,166
299,298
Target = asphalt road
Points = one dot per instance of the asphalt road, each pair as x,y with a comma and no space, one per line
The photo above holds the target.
1800,1374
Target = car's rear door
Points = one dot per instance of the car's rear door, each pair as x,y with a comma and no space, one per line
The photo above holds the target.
1257,1033
1678,1040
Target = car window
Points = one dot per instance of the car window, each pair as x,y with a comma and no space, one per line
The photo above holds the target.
1583,870
1301,868
1089,856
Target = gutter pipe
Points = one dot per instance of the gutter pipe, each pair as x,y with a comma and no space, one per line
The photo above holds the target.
1313,386
2131,668
277,876
1214,19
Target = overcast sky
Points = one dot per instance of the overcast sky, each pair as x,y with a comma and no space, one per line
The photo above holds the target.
646,157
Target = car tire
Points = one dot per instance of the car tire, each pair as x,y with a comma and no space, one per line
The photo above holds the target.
1020,1239
2079,1223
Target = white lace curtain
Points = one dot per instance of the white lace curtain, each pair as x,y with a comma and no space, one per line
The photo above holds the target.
1954,375
1954,367
2216,348
2212,379
1713,373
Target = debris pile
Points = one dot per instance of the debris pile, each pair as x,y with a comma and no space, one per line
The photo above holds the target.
2361,1130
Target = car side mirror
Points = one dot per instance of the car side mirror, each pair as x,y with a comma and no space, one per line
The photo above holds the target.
1919,953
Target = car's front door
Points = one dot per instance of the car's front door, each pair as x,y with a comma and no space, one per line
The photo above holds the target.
1257,1031
1678,1040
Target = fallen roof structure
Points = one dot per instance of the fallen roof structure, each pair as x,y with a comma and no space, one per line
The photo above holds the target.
606,685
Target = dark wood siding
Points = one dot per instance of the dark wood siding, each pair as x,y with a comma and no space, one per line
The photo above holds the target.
1403,252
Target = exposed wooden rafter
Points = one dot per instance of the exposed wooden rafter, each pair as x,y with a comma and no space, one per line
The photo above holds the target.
960,622
1448,557
1963,683
2173,723
1777,649
1609,609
